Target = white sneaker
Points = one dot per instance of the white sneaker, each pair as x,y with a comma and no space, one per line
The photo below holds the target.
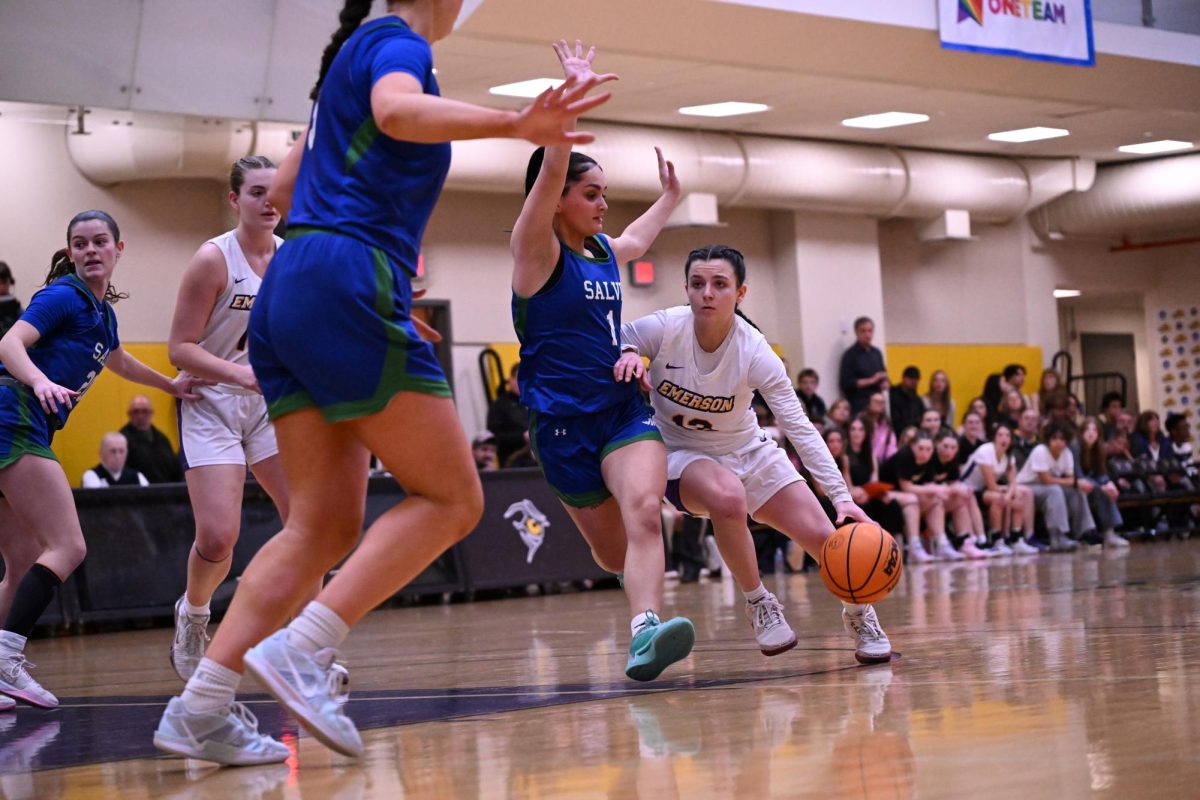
17,683
873,645
339,680
972,551
1001,548
1114,539
191,640
917,554
946,552
229,736
307,687
1023,548
771,630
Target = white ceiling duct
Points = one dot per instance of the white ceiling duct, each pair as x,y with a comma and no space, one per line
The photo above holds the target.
1138,199
747,171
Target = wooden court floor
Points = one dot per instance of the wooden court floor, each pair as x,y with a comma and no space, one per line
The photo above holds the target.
1063,676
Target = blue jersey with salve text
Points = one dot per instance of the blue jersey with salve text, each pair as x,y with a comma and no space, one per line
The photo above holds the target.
568,334
77,333
355,179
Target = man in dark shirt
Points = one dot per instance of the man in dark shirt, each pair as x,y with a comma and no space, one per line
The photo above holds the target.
806,389
507,419
907,406
150,451
862,372
1025,437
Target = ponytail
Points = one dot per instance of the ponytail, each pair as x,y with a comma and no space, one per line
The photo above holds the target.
353,13
60,265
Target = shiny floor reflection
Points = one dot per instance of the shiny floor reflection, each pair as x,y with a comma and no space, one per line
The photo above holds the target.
1061,676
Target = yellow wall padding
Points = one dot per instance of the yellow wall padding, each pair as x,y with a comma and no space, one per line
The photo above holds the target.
968,366
103,409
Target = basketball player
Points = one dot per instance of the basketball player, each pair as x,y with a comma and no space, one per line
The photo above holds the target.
706,361
227,429
595,438
48,360
345,374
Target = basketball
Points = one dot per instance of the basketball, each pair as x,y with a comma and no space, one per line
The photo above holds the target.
860,563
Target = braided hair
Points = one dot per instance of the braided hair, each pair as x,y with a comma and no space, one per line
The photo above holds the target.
353,14
61,264
722,252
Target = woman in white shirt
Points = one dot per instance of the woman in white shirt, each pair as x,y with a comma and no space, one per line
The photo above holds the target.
706,361
992,473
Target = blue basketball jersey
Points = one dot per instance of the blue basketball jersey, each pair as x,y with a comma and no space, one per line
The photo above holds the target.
77,334
355,179
568,335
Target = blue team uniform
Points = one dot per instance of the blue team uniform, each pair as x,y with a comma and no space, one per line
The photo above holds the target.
77,334
580,414
331,327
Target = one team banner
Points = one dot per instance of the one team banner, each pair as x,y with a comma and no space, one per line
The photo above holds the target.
1045,30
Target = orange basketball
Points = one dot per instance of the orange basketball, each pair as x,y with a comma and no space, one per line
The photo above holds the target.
860,563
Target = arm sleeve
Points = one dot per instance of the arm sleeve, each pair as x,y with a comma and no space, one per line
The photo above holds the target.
50,309
91,481
645,333
402,54
768,376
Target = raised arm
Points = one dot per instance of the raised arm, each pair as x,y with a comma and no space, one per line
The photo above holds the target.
636,239
203,281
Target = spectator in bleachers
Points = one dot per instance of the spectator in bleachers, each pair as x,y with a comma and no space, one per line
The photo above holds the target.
862,370
938,397
112,469
912,471
883,439
1013,377
1058,493
992,394
883,502
806,389
960,500
1012,405
10,306
978,406
1050,385
150,451
992,473
839,413
1025,436
1179,428
1110,408
507,419
1091,464
1075,410
1149,440
905,404
931,422
906,436
483,450
973,436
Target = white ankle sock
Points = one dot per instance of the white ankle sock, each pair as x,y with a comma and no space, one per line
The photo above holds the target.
637,622
211,688
754,595
195,611
853,608
11,644
317,628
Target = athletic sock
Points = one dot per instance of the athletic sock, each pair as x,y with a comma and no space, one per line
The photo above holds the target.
754,595
34,594
196,611
637,622
317,628
11,644
853,608
211,688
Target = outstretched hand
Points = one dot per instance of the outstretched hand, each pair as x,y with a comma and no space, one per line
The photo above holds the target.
550,119
666,174
577,65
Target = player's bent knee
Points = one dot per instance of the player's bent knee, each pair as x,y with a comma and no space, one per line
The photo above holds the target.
727,505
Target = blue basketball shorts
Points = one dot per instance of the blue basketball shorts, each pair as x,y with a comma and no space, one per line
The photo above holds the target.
570,449
24,427
331,329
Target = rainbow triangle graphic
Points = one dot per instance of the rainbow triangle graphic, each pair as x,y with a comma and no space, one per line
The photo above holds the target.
972,9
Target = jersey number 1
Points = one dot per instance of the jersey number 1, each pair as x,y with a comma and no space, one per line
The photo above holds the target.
612,327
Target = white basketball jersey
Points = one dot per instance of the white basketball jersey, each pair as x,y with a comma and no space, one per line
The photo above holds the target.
225,332
709,411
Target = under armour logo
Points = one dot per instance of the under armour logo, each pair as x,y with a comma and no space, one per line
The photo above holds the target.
560,431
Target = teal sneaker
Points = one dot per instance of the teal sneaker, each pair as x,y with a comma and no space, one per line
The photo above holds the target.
657,645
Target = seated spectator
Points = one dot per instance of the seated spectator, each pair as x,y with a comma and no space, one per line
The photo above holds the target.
977,406
1057,408
1120,443
483,450
507,419
1012,405
906,404
912,471
938,397
960,500
992,393
1110,407
906,436
931,421
1179,429
150,451
1075,413
1090,464
862,371
1058,493
972,436
1025,436
839,413
111,471
10,306
883,503
806,389
1149,441
992,474
1050,385
883,440
1013,377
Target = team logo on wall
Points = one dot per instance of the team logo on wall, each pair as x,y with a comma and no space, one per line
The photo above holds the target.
530,524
